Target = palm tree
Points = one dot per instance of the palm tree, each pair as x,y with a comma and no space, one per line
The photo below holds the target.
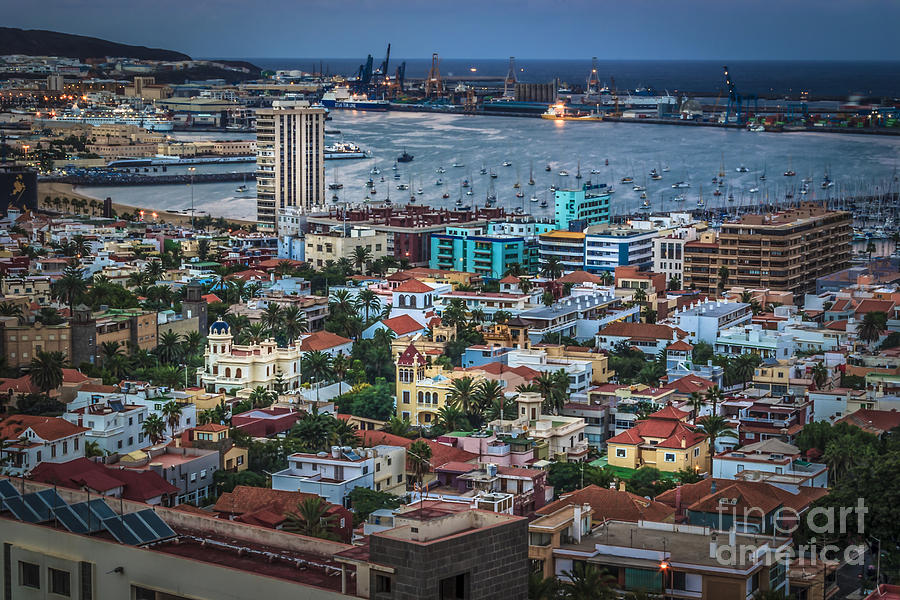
344,434
154,269
313,430
541,588
502,316
368,301
547,299
340,303
477,316
607,278
92,449
46,370
260,397
271,317
489,393
451,418
172,412
872,326
192,343
294,323
168,347
554,388
640,296
463,395
398,426
154,427
501,408
552,268
696,401
820,374
10,309
419,457
724,274
515,269
255,333
714,395
361,256
674,282
311,519
70,287
317,366
715,426
587,582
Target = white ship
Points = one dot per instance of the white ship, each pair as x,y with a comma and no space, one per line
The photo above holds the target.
151,119
340,97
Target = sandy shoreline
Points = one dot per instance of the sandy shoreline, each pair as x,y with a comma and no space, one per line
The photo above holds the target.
66,190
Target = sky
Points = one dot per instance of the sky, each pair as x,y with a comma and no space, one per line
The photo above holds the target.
620,29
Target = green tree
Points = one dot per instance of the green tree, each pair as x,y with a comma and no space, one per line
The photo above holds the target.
419,457
872,326
365,501
570,476
260,397
367,301
46,370
715,426
588,582
171,412
92,449
554,388
154,428
450,418
311,519
552,268
541,588
723,274
169,348
70,287
316,366
674,283
648,481
361,257
820,374
463,395
702,353
294,323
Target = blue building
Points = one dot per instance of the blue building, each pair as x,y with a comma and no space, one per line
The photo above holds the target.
582,207
607,247
474,250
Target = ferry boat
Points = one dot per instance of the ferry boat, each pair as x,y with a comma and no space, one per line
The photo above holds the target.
346,150
340,97
560,112
150,119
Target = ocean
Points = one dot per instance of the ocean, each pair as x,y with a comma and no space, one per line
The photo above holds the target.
833,79
856,163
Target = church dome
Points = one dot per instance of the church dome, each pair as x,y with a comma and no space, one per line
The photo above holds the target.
220,327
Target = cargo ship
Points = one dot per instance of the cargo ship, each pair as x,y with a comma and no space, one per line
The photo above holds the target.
560,112
342,98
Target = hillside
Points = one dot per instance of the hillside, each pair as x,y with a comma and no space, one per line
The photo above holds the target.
38,42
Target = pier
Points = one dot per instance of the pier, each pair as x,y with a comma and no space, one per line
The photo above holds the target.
120,178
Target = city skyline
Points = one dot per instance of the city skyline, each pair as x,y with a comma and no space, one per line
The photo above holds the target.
645,30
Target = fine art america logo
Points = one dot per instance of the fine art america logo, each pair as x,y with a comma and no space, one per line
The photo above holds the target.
826,522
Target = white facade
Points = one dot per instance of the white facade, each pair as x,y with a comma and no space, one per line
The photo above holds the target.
753,339
580,372
29,441
290,143
333,475
115,427
704,320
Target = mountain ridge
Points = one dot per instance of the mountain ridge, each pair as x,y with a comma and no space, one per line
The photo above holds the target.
42,42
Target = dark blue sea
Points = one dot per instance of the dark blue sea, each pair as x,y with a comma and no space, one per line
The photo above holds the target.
777,78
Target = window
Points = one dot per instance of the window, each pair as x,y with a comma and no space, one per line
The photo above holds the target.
29,575
696,452
382,584
65,447
53,451
669,457
740,468
130,441
621,452
405,396
240,459
193,477
75,444
202,473
399,478
119,444
59,582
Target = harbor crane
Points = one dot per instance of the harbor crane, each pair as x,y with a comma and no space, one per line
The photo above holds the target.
434,87
738,103
384,65
365,71
509,84
593,83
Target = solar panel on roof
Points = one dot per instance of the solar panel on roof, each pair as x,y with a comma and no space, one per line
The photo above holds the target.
120,531
70,520
51,498
91,520
159,527
101,509
117,405
38,506
139,528
22,511
7,490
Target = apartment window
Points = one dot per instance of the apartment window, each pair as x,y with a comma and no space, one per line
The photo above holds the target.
53,451
29,575
203,474
75,444
382,584
621,452
696,452
60,583
65,447
740,468
399,478
193,477
377,467
365,469
405,396
669,457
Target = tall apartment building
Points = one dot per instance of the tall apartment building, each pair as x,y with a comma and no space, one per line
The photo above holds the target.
784,251
581,207
290,170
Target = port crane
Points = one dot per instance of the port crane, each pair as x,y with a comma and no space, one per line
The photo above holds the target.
593,83
434,87
509,84
738,103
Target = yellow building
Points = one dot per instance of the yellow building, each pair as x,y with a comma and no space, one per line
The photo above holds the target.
421,389
664,440
338,244
599,361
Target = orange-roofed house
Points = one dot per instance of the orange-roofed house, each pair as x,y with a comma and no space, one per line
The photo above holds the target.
400,325
650,338
664,440
31,440
416,299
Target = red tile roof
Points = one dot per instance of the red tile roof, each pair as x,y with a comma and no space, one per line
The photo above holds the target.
638,330
322,340
402,325
700,497
871,305
47,428
210,298
679,346
498,369
670,412
873,421
689,384
510,279
97,388
671,432
413,286
73,376
411,356
140,486
837,325
441,454
399,276
612,504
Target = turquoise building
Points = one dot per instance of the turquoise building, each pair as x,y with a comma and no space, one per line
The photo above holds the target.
583,207
488,255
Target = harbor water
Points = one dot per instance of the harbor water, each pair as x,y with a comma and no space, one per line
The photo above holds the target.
857,164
